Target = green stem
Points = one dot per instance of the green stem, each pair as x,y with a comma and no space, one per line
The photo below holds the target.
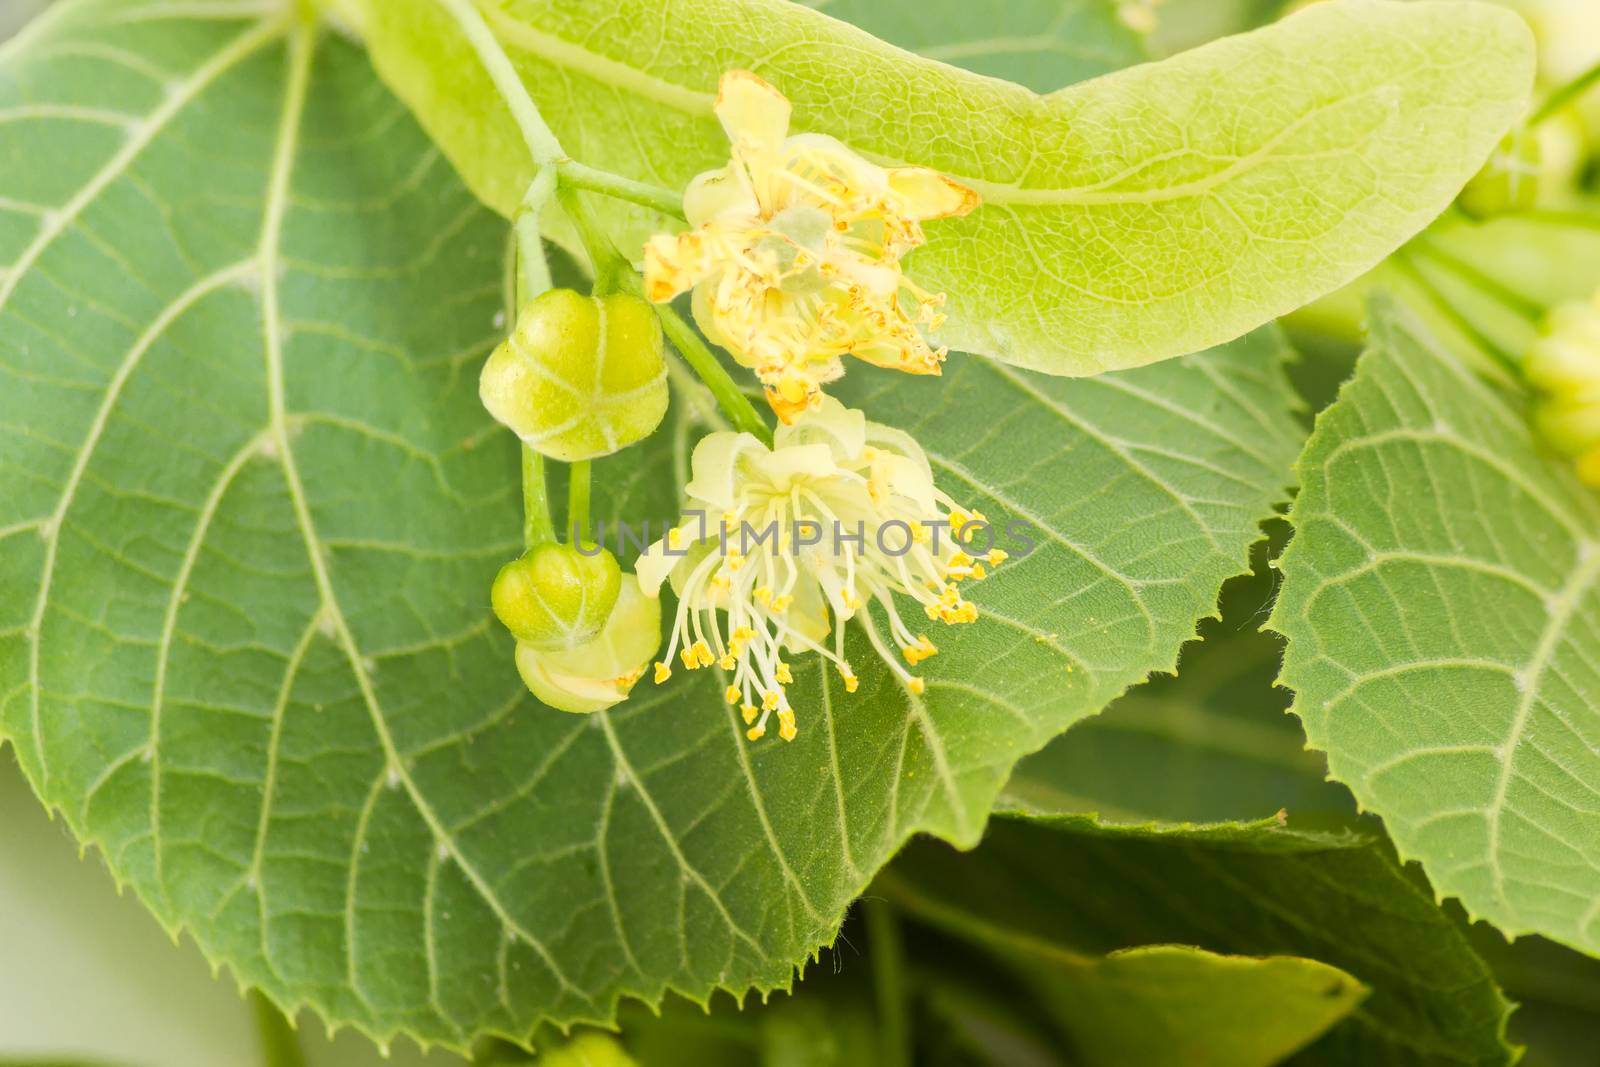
608,264
536,134
533,271
1567,94
730,398
578,477
1407,266
537,527
279,1045
617,187
546,150
1493,288
888,980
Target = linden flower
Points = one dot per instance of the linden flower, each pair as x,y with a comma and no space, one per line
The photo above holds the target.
794,252
838,513
1564,363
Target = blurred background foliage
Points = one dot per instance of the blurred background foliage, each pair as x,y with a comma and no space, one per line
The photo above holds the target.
1014,953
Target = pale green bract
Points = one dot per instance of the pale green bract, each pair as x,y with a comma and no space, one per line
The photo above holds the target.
1142,215
253,508
1150,1004
1442,603
1250,889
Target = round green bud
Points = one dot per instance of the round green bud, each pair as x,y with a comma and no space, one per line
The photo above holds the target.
1509,181
1565,359
556,596
599,674
580,376
1570,426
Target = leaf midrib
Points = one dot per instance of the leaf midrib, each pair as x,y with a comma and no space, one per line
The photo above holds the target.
614,74
302,53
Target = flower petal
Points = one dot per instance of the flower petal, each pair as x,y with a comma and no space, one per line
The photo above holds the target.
754,114
930,195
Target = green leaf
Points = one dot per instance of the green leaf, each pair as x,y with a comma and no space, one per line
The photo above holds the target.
1162,1003
252,509
1211,744
1254,889
1149,213
1041,44
1442,603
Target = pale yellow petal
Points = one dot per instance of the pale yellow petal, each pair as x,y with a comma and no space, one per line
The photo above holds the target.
717,194
927,194
674,263
754,114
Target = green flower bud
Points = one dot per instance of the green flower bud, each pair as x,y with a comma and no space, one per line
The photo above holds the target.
1509,181
555,596
580,376
1571,427
1564,365
1565,360
599,674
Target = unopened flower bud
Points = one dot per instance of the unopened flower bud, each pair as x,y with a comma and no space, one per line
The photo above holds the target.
580,376
555,596
1564,365
598,674
1509,181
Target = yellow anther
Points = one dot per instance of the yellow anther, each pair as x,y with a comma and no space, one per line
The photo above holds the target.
786,727
702,654
782,674
749,711
688,657
769,699
728,662
732,694
997,556
917,686
663,672
755,732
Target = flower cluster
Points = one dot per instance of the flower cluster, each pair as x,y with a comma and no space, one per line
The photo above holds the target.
1564,365
838,517
794,252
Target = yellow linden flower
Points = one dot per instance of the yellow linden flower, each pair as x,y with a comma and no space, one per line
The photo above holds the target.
840,514
1564,364
794,252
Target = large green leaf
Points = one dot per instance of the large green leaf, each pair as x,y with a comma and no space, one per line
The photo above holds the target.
1139,216
1442,603
251,508
1253,889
